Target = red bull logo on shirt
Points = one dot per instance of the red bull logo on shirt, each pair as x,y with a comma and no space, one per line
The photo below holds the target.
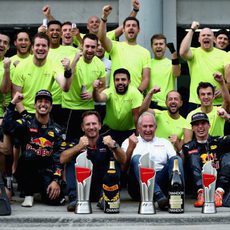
43,142
41,146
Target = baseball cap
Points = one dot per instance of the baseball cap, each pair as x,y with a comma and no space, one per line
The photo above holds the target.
199,117
43,94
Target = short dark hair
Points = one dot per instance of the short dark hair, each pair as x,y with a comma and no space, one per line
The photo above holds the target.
66,23
204,85
90,36
121,70
5,34
21,31
91,112
54,22
158,36
41,35
222,31
131,18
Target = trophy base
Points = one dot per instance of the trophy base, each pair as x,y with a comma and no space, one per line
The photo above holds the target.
146,208
83,207
209,208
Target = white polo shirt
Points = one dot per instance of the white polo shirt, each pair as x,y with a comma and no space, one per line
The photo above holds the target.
160,150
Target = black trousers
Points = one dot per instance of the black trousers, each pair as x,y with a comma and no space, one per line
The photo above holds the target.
35,177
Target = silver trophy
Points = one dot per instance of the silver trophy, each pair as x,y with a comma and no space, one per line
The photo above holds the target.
83,169
209,175
147,180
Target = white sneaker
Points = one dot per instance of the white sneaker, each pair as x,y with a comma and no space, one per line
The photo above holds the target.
28,201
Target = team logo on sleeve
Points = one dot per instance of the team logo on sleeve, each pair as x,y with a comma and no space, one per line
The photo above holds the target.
19,121
51,133
213,147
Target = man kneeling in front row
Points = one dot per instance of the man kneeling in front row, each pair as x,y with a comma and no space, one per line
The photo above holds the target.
207,148
41,142
100,150
161,152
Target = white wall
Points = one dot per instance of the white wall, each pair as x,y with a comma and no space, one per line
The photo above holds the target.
30,11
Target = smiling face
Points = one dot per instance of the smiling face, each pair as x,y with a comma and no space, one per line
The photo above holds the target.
206,96
40,49
67,38
91,126
89,48
121,83
4,45
100,52
43,106
173,102
201,128
206,39
159,47
147,127
22,43
54,33
93,24
222,41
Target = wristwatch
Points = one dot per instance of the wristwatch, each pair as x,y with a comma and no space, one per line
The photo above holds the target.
115,146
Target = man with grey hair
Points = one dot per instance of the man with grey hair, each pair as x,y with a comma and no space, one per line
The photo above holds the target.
161,152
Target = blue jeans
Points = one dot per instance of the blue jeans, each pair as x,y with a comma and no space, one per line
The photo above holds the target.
161,180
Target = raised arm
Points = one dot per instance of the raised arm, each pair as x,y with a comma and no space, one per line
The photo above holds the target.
224,91
10,125
145,79
65,80
222,113
6,83
19,106
132,142
146,103
69,154
185,51
105,41
97,95
176,69
118,152
134,12
47,13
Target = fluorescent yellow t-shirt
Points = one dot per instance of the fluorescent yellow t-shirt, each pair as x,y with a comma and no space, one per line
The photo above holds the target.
85,74
119,108
17,58
4,98
202,66
57,55
110,35
162,76
134,58
216,122
33,78
166,126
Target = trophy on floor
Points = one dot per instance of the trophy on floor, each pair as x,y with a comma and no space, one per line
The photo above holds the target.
83,169
147,180
209,175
